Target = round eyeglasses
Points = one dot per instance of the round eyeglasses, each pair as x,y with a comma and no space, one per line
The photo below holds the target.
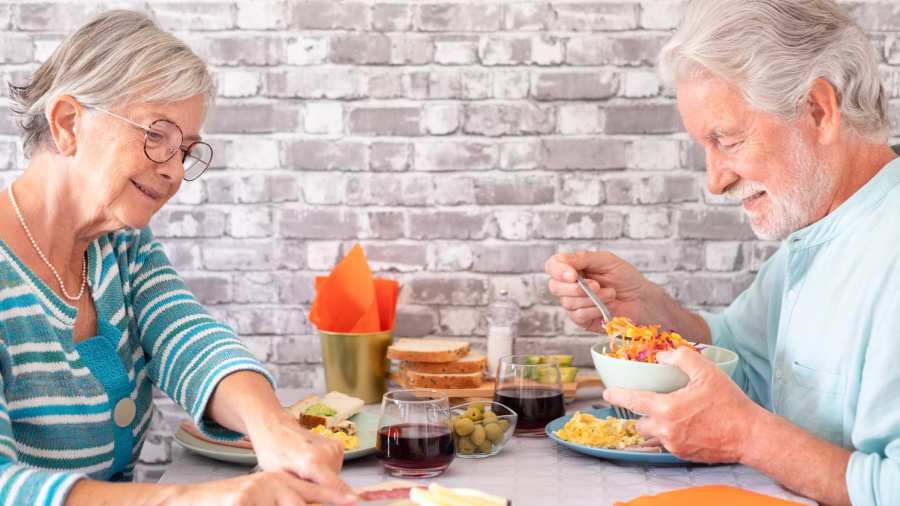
163,139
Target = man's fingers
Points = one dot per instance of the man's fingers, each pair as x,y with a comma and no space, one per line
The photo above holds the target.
689,361
559,268
642,403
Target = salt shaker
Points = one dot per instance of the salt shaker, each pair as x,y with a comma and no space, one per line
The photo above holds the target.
503,328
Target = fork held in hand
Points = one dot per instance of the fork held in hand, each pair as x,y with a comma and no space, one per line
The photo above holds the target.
607,316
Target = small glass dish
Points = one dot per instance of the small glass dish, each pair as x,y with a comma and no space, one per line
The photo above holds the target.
481,428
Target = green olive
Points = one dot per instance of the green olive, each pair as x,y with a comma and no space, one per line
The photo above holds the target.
479,406
465,446
464,426
490,416
504,424
485,446
472,414
478,435
493,432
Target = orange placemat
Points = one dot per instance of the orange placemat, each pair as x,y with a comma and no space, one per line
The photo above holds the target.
709,495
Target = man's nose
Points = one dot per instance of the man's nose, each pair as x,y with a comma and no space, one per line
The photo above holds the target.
719,174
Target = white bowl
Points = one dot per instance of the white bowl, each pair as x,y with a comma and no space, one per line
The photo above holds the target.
661,378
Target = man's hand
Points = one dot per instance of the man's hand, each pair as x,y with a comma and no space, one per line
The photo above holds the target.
709,420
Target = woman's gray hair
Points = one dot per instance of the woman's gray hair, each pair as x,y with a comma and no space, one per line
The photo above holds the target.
774,50
118,57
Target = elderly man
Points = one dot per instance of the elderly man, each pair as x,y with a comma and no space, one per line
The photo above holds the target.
785,98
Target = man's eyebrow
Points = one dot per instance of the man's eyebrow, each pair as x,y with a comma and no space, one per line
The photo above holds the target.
718,133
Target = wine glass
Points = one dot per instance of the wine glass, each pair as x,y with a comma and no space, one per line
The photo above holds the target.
533,390
414,438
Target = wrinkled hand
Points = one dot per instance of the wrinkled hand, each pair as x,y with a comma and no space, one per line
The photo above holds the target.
709,420
283,445
618,284
259,489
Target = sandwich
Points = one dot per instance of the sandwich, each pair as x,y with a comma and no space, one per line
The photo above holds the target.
333,411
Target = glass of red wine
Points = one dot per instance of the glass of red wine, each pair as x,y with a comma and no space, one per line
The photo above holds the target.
533,390
414,438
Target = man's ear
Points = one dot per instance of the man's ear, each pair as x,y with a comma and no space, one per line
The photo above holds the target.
825,111
63,116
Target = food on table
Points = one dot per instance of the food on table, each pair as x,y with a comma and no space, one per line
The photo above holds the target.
333,411
562,360
611,433
566,371
436,495
473,362
437,363
444,380
428,350
477,431
350,442
394,489
641,343
409,494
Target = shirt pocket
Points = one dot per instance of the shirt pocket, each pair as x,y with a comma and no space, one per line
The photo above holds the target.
814,401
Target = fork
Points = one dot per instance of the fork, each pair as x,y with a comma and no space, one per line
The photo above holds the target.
625,414
604,311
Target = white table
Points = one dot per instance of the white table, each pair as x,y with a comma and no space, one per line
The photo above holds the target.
527,471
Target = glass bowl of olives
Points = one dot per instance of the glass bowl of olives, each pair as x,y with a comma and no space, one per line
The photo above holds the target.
481,428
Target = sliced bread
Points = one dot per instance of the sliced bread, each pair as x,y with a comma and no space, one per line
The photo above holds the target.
473,362
428,350
429,380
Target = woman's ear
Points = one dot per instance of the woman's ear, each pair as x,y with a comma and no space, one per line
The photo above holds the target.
63,116
825,111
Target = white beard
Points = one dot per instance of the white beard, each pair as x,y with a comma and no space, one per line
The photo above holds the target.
797,206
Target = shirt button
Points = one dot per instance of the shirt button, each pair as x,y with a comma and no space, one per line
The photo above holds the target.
124,412
778,374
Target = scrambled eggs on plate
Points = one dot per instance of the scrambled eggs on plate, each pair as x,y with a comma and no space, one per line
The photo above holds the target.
612,433
350,442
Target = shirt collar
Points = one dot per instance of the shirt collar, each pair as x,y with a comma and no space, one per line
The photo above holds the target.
854,208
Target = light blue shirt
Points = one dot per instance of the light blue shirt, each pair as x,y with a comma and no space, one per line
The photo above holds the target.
818,334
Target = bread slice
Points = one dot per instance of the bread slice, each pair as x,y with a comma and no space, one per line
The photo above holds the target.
428,350
452,381
344,406
473,362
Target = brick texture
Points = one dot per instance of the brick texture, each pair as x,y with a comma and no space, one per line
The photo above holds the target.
461,142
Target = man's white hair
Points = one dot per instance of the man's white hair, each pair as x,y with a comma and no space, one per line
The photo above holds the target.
117,57
774,50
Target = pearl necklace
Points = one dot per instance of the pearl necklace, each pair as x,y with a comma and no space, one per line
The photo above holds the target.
44,258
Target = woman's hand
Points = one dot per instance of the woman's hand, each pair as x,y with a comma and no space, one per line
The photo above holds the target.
618,284
281,444
260,489
709,420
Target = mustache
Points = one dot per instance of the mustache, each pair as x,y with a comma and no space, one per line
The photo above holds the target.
743,189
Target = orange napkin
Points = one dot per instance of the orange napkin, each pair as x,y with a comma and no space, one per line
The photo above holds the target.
708,495
351,299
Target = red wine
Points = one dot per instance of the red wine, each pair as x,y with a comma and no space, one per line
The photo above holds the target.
415,446
536,407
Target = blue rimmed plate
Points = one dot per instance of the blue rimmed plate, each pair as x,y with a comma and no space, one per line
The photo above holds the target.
664,458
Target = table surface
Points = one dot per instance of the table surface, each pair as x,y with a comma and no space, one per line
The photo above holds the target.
527,471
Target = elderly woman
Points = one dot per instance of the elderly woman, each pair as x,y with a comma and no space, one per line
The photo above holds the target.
785,97
91,311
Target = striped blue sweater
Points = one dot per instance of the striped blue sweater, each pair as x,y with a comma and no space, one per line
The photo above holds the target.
58,419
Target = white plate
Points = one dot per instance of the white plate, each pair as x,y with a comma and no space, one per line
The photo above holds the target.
366,425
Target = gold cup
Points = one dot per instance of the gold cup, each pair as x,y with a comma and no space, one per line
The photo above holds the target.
356,363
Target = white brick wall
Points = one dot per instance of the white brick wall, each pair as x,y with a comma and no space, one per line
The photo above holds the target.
462,142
